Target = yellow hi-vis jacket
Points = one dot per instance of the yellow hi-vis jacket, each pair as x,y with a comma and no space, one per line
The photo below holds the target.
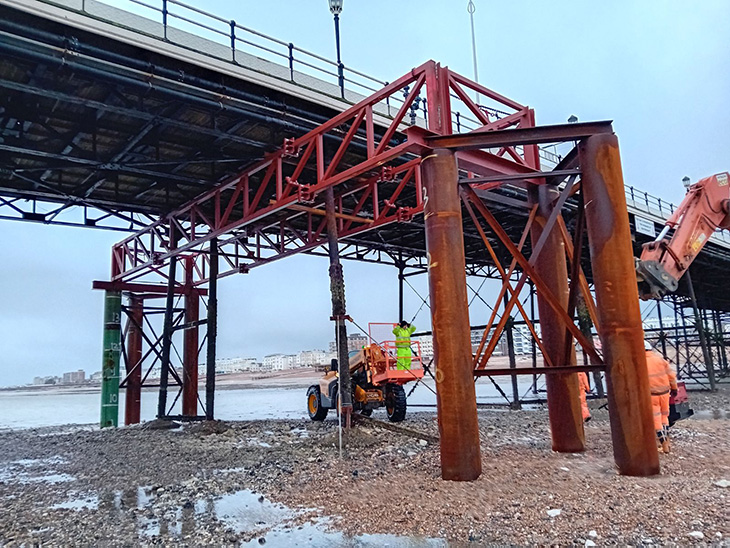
403,335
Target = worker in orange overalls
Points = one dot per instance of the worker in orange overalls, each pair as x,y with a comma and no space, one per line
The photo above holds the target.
662,383
584,389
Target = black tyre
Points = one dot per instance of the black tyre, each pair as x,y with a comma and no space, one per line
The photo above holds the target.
395,402
314,404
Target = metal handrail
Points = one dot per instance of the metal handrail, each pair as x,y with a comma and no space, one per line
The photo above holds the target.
235,35
654,205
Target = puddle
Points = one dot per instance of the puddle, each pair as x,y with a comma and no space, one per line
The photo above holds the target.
711,414
144,496
247,512
314,536
90,502
299,432
25,478
21,471
257,442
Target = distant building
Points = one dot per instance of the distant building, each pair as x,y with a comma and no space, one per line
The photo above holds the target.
236,365
311,358
74,377
354,342
426,344
45,380
96,377
278,362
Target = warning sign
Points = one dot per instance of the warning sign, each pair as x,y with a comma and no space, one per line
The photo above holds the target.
644,226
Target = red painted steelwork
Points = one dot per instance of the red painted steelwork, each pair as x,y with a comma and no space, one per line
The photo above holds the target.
563,400
455,393
609,236
550,370
133,394
268,197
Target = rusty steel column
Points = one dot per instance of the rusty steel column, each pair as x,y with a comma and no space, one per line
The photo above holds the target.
133,395
455,393
563,398
190,343
339,309
619,315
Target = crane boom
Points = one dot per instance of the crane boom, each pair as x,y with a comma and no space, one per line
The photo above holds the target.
705,208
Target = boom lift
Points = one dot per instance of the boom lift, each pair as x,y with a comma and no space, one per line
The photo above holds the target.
705,208
377,380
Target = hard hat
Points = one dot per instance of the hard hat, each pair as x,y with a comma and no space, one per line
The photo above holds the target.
647,345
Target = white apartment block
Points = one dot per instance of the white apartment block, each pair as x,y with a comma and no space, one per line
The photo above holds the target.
426,344
310,358
278,362
236,365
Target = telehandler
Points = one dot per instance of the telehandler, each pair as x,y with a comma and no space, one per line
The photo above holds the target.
377,378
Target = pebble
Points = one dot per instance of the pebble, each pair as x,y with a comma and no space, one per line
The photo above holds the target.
699,535
723,483
203,466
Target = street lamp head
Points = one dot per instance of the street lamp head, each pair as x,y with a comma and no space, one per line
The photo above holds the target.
335,6
685,182
573,119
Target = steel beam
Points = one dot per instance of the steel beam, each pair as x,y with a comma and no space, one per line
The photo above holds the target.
520,136
190,343
455,395
167,333
133,394
550,370
620,329
566,422
212,331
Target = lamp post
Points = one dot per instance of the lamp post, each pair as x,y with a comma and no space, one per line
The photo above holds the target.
336,9
686,182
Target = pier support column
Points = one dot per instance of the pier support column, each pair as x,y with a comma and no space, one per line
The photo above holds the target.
190,343
167,332
619,315
339,310
110,360
455,393
563,399
133,395
212,326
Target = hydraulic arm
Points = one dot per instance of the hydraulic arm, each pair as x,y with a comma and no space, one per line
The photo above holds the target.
663,262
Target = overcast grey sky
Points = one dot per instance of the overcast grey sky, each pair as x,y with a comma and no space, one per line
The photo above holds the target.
659,69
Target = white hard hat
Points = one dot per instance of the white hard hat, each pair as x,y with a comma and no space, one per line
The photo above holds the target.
647,345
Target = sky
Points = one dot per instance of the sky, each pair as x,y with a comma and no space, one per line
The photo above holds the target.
659,69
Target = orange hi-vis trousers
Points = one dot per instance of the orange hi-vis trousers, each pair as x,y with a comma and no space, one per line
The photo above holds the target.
660,408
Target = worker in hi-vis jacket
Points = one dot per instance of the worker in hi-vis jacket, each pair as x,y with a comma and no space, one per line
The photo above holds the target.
584,389
662,383
403,332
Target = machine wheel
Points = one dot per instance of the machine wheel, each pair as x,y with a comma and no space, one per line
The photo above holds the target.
314,404
395,402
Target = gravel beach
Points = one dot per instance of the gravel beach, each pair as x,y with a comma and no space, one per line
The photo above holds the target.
283,483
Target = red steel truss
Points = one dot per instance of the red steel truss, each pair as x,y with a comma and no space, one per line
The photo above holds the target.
369,154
